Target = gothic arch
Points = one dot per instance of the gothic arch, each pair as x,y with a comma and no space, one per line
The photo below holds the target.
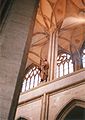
72,104
29,67
23,118
31,77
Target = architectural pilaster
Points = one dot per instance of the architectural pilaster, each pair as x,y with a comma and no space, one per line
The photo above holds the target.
52,56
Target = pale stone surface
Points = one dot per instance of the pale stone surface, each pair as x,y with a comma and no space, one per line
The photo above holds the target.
59,100
12,44
55,85
13,38
58,95
30,110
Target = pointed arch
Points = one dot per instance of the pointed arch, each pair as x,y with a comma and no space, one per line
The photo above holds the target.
22,118
64,64
83,54
31,78
72,104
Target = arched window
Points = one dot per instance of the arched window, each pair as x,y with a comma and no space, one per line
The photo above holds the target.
74,110
31,79
83,58
77,113
21,118
64,65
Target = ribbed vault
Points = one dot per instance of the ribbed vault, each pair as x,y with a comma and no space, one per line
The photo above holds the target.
65,17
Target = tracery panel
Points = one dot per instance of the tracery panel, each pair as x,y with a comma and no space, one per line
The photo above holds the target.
64,65
31,79
83,58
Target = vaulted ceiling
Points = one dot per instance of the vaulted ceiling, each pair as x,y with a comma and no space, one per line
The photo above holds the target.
65,16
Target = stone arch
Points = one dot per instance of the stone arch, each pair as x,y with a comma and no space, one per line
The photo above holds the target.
29,67
71,105
21,118
31,77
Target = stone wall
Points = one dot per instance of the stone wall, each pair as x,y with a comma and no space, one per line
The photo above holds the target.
47,100
15,40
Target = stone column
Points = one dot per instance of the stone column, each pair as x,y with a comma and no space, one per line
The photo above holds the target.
56,55
15,40
76,60
52,55
43,107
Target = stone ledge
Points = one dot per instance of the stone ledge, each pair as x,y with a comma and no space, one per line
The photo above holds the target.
56,85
